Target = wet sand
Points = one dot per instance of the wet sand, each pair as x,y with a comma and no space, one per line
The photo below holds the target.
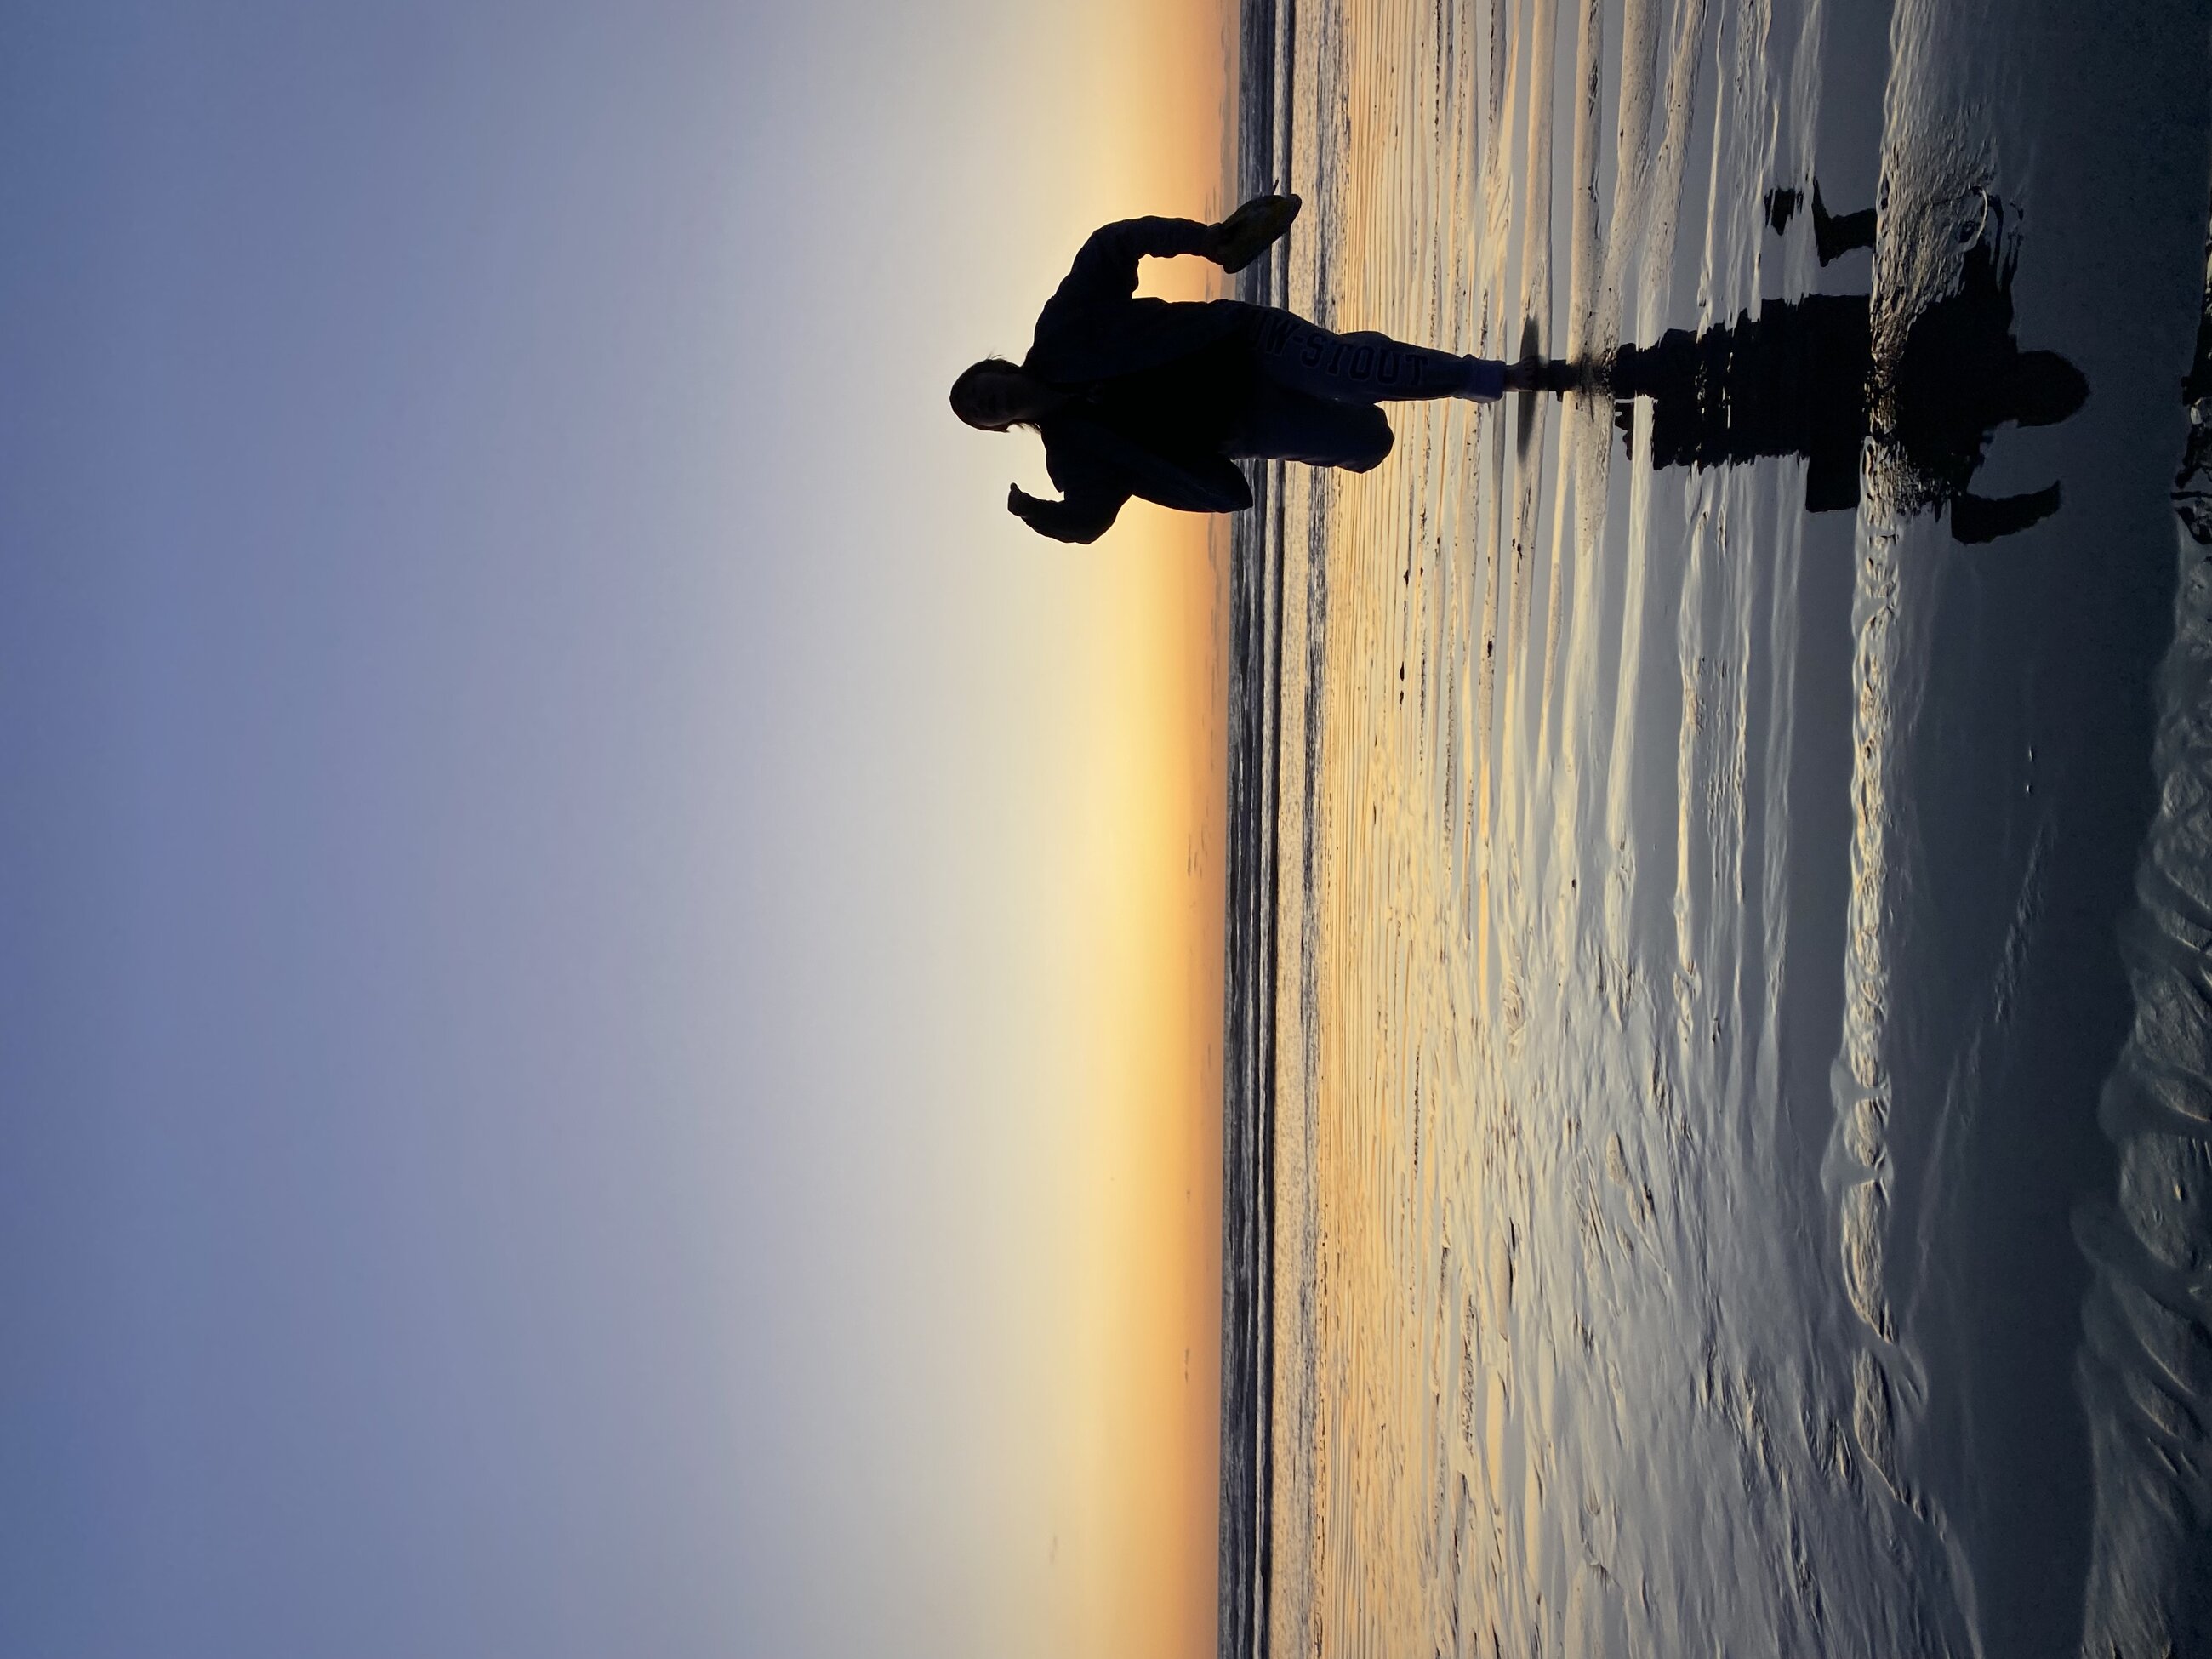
1719,1105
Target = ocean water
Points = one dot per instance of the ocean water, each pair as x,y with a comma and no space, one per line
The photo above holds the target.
1719,1132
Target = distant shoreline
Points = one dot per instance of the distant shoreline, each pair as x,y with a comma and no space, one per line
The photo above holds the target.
1247,1118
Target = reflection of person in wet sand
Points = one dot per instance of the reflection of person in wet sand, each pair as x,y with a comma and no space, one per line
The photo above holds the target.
1801,378
1833,235
1156,399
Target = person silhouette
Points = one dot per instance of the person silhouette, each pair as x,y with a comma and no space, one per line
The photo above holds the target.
1803,377
1160,399
1834,234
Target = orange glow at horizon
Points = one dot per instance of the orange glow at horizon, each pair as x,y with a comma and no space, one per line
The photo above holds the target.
1148,1186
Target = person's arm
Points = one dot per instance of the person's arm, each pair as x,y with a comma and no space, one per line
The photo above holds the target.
1979,519
1105,267
1083,517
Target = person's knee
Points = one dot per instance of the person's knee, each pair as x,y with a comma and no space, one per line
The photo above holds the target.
1370,445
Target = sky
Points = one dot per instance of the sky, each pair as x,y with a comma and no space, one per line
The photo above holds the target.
609,1025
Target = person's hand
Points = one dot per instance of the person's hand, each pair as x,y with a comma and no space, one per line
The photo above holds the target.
1245,234
1021,503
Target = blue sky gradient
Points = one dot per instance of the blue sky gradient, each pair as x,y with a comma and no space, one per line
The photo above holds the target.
535,1047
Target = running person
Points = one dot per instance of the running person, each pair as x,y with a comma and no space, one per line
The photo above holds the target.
1158,399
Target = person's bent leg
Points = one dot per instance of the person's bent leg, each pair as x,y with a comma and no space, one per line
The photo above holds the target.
1835,234
1290,426
1365,368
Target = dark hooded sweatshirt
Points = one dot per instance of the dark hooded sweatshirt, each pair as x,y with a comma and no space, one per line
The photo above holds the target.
1156,387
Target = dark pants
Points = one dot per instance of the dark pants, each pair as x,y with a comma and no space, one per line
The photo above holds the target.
1316,394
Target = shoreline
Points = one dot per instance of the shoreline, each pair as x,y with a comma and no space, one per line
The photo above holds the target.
1248,1198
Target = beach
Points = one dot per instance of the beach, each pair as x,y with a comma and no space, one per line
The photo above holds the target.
1717,1077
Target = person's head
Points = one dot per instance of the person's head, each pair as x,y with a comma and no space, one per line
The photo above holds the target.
2046,388
995,394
